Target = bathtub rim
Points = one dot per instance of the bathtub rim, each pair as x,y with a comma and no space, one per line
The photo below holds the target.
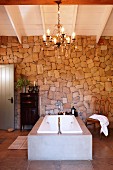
63,131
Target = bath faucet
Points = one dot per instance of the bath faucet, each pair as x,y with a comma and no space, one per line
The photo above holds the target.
59,131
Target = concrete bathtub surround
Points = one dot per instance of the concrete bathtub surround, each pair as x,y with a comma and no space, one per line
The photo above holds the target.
56,146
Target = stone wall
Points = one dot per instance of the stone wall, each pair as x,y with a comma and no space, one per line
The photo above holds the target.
65,78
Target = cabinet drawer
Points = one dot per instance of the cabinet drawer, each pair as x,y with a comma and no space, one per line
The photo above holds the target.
28,104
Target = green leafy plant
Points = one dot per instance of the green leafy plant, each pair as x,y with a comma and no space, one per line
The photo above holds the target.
22,82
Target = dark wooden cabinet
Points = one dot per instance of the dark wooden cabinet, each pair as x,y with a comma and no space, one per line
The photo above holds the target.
29,109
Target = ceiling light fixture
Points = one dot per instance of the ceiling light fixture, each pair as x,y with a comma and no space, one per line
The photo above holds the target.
58,38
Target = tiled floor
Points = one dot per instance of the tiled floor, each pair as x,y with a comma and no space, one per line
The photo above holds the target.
17,159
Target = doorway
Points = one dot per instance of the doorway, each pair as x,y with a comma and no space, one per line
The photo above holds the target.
7,96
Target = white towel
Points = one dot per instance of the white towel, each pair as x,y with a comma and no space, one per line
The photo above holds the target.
104,122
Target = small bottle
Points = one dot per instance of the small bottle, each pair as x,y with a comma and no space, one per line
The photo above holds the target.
74,112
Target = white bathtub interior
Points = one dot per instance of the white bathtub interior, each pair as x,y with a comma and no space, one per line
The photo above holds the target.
68,124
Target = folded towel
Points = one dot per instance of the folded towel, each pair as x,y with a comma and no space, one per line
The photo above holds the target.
104,122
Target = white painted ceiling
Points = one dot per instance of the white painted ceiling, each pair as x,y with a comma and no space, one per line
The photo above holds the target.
31,20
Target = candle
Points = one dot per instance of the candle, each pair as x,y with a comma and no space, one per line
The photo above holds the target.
34,83
48,32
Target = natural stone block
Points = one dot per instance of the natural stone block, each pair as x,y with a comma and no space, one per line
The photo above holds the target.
36,49
53,66
56,84
79,74
56,72
75,94
52,88
108,86
60,67
79,48
97,78
103,47
103,79
51,95
86,70
66,90
28,59
44,87
50,107
9,51
88,97
79,86
76,60
40,69
96,90
52,59
83,64
79,54
24,39
3,51
35,56
97,64
89,81
69,97
58,95
33,67
83,58
27,69
67,106
72,89
86,86
89,61
69,84
81,98
30,39
96,74
91,65
50,73
25,45
87,75
64,100
19,55
102,72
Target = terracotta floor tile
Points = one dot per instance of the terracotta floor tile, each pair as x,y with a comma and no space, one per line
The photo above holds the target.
17,159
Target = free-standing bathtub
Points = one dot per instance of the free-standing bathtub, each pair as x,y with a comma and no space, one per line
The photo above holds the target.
62,146
68,124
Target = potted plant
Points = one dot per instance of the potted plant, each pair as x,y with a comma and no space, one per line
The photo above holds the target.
22,83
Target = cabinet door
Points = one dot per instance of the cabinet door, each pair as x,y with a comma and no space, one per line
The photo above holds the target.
29,108
29,116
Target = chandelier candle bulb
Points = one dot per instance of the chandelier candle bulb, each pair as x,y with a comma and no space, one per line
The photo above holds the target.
44,37
54,40
62,30
68,40
73,36
34,83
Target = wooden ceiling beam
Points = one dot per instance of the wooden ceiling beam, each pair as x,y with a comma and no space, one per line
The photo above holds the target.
51,2
11,12
106,15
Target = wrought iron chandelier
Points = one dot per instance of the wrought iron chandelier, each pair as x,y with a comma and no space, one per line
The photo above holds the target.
59,38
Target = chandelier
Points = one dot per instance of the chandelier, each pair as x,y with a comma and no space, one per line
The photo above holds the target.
58,38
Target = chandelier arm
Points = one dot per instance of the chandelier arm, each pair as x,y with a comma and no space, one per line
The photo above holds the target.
58,14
